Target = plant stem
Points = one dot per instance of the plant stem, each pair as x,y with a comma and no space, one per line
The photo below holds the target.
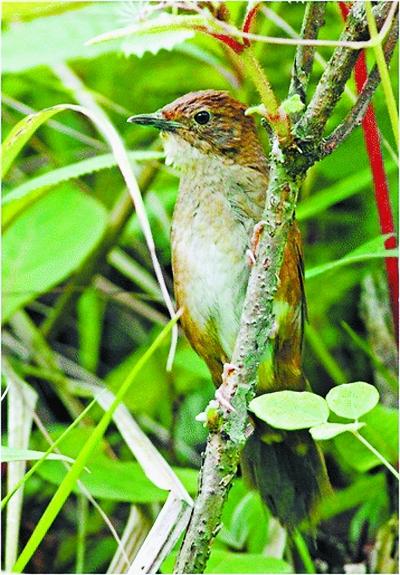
303,551
384,72
276,118
377,454
338,71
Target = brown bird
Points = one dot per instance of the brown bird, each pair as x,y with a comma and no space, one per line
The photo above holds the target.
223,183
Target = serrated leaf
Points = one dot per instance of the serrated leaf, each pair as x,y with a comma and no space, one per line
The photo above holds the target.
352,400
330,430
291,410
17,200
47,243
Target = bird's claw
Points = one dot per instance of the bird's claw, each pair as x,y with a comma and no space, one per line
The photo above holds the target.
222,395
255,239
224,392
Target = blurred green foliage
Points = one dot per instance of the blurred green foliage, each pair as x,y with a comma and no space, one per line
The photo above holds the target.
115,311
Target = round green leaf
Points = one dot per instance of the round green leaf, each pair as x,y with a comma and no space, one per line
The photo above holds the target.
291,409
329,430
352,400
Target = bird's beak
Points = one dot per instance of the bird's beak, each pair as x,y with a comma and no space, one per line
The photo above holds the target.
156,120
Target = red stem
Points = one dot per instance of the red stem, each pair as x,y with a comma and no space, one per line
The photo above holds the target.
382,198
227,40
248,21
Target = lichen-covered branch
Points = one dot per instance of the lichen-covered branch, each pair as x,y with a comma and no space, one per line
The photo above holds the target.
338,71
314,18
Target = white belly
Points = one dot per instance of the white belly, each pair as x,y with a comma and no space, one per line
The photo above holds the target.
210,270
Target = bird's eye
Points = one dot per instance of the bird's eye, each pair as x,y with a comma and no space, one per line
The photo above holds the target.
202,117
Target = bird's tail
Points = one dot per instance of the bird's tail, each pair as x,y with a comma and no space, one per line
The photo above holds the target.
288,470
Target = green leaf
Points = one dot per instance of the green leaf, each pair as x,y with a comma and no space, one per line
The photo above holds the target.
47,243
291,409
110,478
292,105
18,199
339,191
62,37
352,400
113,480
13,454
244,520
381,430
370,250
21,133
330,430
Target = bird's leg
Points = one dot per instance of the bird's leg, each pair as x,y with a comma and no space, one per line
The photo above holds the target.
226,389
252,252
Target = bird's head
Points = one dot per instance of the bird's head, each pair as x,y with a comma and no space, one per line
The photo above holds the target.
207,123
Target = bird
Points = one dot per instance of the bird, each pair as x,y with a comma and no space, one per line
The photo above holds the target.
224,177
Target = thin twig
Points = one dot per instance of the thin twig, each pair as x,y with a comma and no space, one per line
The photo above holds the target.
338,71
283,25
356,114
314,18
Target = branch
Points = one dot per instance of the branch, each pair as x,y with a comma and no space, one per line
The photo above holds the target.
356,114
230,430
338,71
314,19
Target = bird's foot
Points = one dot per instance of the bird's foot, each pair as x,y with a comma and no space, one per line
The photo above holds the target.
255,240
225,391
